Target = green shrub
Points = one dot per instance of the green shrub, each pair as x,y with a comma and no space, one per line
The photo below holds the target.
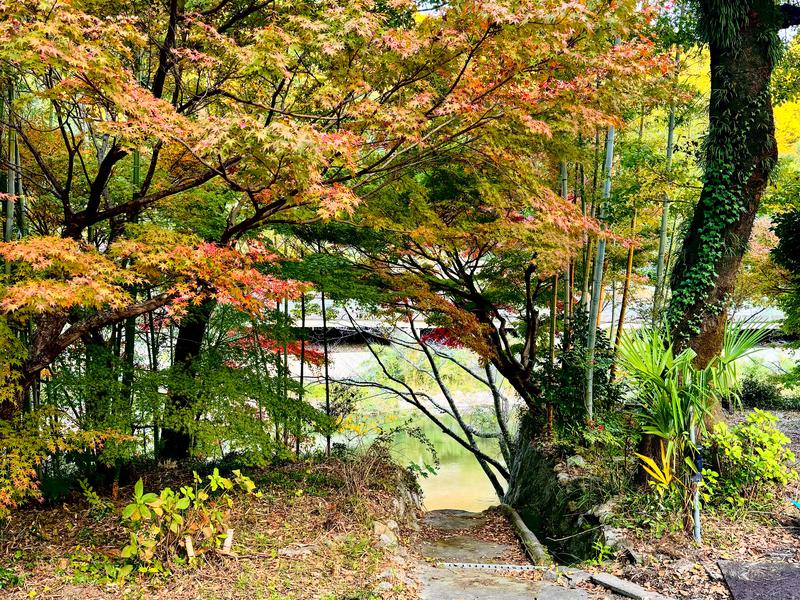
160,524
765,393
759,392
749,461
9,578
98,507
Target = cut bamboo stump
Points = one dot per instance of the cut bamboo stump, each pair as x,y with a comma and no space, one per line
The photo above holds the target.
189,547
228,543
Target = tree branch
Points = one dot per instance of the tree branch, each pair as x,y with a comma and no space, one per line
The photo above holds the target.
53,349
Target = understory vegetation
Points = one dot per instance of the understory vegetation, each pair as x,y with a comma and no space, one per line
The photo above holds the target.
292,527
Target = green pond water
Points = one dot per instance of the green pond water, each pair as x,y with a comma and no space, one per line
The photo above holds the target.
459,481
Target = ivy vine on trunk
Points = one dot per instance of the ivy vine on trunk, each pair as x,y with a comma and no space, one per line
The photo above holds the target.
740,154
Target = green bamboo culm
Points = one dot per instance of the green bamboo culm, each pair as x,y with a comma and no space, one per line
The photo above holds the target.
11,175
661,268
595,307
567,269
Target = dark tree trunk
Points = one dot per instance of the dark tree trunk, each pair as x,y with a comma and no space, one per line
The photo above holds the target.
99,377
176,441
740,154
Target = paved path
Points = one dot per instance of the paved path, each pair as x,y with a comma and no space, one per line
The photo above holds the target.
459,544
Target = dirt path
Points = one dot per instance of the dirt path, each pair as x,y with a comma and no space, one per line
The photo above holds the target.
455,536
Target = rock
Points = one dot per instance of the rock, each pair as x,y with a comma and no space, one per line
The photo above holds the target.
761,579
576,576
576,462
379,528
384,586
713,571
399,508
463,548
554,592
636,557
684,565
452,584
625,588
387,538
296,552
453,520
563,477
542,491
406,503
392,525
614,536
604,512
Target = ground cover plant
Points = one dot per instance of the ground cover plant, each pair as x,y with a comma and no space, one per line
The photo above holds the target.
307,532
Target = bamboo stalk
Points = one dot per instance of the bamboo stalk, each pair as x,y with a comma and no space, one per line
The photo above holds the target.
327,377
598,278
659,295
302,371
11,177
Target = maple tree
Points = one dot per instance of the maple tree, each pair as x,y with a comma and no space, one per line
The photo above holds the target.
294,112
155,145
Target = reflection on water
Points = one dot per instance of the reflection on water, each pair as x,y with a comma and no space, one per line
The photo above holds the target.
459,482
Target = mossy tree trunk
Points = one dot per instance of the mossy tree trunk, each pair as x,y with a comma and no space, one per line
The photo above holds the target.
740,154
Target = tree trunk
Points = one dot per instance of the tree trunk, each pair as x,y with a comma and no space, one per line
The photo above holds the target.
740,154
176,441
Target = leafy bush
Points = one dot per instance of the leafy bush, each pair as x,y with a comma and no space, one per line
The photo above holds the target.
27,444
750,459
563,384
765,393
98,507
159,524
759,392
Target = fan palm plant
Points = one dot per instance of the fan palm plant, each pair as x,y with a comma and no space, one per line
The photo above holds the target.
741,340
671,392
675,397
